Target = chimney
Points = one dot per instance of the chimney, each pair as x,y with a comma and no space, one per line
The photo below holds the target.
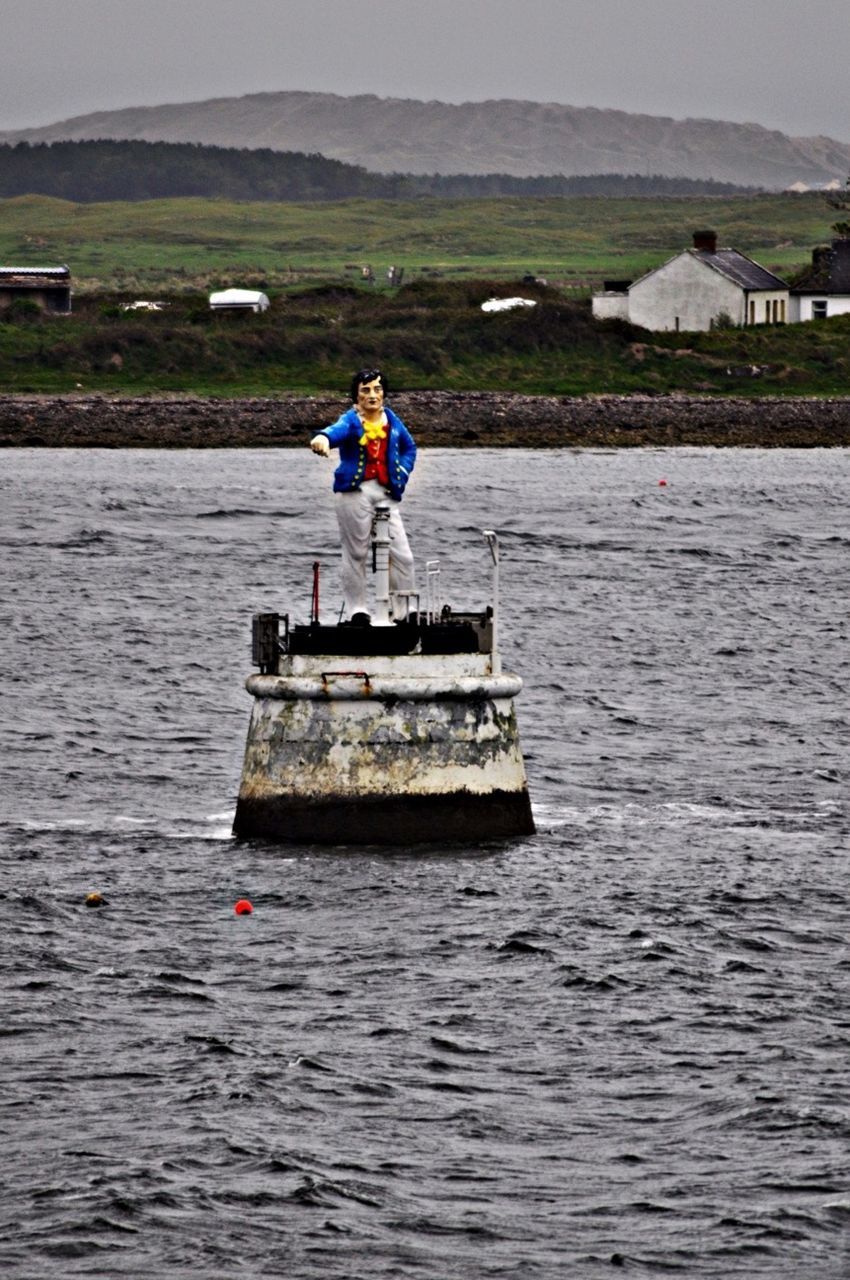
706,241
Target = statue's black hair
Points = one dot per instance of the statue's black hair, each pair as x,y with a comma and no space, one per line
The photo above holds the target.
366,375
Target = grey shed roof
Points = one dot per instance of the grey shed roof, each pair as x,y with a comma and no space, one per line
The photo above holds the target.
60,273
739,268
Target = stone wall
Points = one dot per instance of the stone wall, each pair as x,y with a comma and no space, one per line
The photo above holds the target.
437,418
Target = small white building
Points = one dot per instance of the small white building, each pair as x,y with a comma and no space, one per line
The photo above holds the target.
613,302
823,290
698,289
239,300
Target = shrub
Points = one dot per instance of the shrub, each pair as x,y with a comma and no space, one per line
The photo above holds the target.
22,311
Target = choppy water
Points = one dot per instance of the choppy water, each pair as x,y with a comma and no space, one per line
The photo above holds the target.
623,1042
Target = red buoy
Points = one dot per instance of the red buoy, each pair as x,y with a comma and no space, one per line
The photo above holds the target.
243,907
662,483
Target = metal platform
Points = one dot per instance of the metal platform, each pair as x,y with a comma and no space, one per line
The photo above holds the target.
450,633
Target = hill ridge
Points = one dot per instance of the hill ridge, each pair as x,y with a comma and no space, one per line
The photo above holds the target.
505,135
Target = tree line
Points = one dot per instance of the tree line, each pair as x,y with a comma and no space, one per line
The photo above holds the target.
104,170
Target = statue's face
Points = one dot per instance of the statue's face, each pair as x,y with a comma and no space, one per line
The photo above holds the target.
370,397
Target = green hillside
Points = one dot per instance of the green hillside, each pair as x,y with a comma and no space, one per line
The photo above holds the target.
194,243
324,319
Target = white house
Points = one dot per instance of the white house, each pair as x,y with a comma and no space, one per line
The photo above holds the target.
698,289
239,300
823,290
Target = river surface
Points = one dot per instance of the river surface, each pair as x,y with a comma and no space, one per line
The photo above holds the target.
619,1046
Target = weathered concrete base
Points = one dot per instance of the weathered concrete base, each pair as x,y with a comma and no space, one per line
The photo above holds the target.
406,749
459,818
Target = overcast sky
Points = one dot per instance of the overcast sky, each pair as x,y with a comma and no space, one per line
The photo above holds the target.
781,63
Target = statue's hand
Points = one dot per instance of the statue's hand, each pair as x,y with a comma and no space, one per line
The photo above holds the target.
321,444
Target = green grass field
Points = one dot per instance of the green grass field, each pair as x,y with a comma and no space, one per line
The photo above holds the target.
187,244
430,333
324,320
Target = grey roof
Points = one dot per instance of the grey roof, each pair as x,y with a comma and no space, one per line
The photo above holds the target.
59,272
730,263
739,268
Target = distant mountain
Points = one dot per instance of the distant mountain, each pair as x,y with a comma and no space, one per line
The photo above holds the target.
394,135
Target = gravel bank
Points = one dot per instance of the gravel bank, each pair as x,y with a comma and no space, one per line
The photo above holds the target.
469,419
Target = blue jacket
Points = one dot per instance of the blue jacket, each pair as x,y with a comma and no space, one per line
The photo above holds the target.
345,433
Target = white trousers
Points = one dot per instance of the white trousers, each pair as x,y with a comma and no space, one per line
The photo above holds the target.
355,512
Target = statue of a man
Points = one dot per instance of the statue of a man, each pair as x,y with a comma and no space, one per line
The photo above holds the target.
376,456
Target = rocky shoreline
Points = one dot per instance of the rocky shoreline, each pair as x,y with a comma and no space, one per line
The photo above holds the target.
467,419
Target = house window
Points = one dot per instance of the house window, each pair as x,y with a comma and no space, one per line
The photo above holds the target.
819,308
782,311
752,312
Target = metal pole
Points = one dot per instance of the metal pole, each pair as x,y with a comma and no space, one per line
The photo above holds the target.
381,616
493,543
314,611
432,572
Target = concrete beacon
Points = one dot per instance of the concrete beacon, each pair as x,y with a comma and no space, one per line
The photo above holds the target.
400,733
